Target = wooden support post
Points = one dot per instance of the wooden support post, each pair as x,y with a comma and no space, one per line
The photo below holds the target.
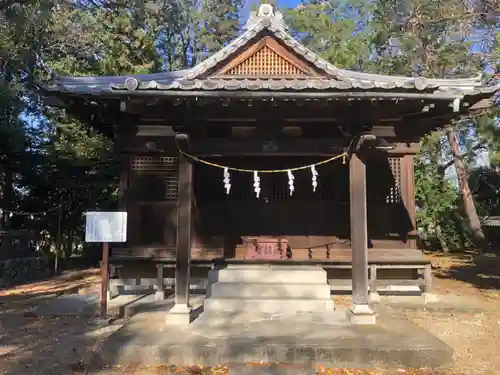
408,197
181,312
104,279
429,297
124,181
374,296
160,285
360,312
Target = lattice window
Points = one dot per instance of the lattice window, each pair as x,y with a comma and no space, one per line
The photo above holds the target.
154,178
266,62
394,195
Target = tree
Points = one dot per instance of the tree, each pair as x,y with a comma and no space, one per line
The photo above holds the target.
411,37
51,157
338,31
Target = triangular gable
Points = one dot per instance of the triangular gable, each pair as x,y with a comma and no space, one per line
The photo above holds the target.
266,58
265,42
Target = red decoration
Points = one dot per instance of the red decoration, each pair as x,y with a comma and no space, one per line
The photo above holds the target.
268,248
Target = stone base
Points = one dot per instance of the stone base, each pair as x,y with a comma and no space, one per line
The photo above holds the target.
160,295
430,298
361,315
252,338
374,297
113,292
180,315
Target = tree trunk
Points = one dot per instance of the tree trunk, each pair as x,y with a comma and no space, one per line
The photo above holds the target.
469,206
6,196
442,240
58,240
68,248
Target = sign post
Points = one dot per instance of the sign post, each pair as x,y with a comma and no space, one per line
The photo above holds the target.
104,279
105,227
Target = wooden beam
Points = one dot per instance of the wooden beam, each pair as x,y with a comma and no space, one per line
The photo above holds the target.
267,94
359,235
184,229
265,147
249,146
405,148
311,111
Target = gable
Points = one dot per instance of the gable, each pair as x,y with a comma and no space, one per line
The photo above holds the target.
267,58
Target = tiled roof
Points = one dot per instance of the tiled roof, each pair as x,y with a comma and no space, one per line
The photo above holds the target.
334,79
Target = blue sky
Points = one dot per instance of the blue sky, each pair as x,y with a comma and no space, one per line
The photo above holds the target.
288,3
280,3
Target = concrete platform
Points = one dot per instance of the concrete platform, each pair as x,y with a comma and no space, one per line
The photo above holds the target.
309,339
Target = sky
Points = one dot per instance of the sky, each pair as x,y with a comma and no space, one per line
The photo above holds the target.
280,3
288,3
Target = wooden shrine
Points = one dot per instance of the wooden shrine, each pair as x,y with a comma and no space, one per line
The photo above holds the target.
266,103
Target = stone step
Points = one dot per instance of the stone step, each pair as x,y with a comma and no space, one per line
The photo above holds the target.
409,286
273,275
268,290
269,306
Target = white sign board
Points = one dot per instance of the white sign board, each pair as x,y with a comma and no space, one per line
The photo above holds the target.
106,227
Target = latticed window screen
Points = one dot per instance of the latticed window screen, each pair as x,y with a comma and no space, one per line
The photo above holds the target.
266,62
394,195
154,178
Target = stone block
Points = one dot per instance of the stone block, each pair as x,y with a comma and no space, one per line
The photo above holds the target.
160,295
271,275
361,315
430,298
374,297
270,306
267,290
180,316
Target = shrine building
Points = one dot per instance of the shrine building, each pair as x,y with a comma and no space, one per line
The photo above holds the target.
267,166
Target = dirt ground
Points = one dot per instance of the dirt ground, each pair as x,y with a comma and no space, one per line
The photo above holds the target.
35,345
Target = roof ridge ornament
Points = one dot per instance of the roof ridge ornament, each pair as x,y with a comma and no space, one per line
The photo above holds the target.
265,10
266,13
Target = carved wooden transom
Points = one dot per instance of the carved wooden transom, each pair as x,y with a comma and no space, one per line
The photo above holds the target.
154,178
268,58
394,195
266,62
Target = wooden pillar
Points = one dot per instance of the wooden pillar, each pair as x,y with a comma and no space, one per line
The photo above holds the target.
181,312
124,181
160,285
360,312
408,197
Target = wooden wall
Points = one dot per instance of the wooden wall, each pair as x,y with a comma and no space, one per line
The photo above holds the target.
310,219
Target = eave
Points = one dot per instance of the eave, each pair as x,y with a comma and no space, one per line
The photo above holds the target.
266,93
204,79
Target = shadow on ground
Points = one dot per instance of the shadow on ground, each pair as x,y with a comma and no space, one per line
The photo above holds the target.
34,345
481,271
43,344
31,344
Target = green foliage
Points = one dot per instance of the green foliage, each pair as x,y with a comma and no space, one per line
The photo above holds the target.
416,37
337,30
438,215
48,158
20,270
